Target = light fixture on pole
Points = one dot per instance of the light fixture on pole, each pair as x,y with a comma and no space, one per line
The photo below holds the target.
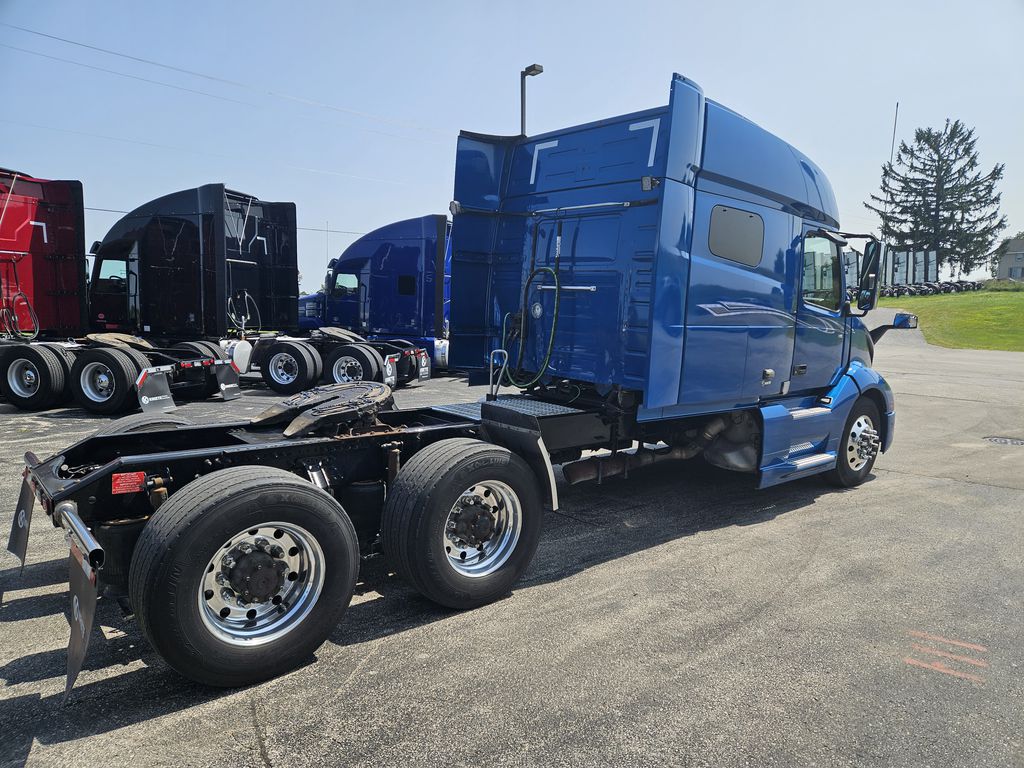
530,71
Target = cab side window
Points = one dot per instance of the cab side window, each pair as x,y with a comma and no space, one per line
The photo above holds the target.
111,275
345,284
822,284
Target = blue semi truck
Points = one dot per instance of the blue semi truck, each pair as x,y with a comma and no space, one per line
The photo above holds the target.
390,284
665,285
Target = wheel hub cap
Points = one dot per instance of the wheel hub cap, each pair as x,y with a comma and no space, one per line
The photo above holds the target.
482,528
257,577
475,524
347,369
23,378
863,443
283,368
261,583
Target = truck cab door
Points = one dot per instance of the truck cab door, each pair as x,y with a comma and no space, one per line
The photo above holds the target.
114,291
820,325
342,301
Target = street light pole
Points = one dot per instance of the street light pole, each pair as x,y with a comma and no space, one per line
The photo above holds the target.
530,71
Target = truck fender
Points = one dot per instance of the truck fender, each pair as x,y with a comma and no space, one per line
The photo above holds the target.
870,383
520,433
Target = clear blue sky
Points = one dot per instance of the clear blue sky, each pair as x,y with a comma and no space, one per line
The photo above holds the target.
351,109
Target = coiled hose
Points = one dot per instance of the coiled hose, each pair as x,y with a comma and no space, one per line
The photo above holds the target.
509,376
248,302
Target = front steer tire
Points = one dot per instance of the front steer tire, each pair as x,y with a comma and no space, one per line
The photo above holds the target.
846,475
170,567
420,504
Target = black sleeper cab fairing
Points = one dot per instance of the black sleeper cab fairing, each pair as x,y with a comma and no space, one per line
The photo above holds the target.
200,263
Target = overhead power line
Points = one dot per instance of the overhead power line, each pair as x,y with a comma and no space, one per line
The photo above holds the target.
125,74
196,91
235,83
191,151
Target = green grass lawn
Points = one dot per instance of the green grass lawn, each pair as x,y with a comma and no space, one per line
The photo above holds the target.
972,320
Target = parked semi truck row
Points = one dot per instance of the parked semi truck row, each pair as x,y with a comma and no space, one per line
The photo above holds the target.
392,283
187,291
662,285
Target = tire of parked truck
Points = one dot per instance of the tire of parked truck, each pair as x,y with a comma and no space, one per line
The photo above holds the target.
859,445
290,367
462,522
350,362
378,360
32,377
66,358
103,380
242,574
143,422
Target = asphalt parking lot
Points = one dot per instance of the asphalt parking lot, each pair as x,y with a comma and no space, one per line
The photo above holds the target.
679,617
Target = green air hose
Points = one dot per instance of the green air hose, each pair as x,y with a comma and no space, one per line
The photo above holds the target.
522,331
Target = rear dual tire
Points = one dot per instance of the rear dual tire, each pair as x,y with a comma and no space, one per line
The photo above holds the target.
353,362
179,563
435,530
103,379
290,367
34,377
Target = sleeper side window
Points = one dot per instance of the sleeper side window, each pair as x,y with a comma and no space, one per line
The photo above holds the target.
407,285
822,284
736,235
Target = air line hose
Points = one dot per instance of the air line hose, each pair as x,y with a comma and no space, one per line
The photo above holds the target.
542,368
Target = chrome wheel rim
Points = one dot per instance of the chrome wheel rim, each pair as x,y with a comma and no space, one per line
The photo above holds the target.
284,368
482,529
23,378
97,382
346,369
284,566
862,443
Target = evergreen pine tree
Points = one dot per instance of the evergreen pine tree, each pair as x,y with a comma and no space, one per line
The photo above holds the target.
934,198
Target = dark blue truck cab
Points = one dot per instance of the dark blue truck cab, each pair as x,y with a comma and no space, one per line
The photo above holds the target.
391,283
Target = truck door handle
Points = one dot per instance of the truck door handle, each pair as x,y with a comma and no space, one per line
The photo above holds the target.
799,370
588,288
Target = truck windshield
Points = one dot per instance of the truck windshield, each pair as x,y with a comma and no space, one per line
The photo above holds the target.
821,278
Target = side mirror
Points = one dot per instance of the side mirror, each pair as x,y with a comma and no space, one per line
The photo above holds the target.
95,248
904,320
867,290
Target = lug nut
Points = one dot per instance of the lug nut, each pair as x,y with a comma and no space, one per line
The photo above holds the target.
262,543
227,595
222,579
276,551
246,548
228,562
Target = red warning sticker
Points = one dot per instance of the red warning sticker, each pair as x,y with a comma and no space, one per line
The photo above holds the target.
127,482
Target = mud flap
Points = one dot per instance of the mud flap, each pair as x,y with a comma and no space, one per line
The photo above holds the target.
391,369
17,544
423,371
154,389
82,580
227,379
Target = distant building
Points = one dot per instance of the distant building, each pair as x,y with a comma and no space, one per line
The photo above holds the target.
1011,263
